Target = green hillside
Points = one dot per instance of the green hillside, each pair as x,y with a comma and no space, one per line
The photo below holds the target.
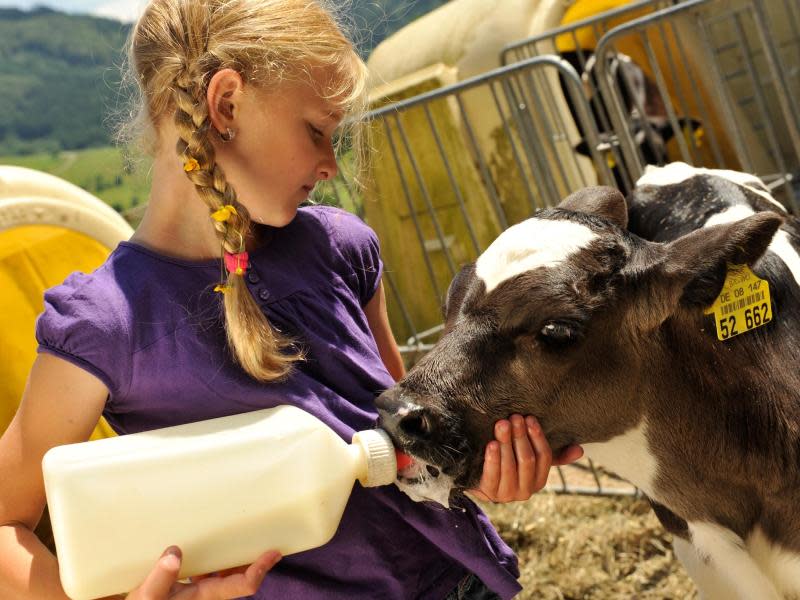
100,171
59,80
60,73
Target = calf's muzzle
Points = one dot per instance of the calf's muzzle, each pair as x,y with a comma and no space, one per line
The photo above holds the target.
404,420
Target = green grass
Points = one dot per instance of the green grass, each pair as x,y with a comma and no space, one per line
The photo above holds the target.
99,171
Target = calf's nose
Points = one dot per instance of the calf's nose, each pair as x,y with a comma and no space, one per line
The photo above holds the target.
401,417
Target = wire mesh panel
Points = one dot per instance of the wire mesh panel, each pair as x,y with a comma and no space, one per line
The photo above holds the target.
723,75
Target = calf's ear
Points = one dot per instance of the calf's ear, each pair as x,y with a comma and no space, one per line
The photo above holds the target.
456,292
602,201
697,262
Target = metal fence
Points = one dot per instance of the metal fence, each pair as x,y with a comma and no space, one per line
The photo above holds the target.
726,77
576,42
722,74
451,167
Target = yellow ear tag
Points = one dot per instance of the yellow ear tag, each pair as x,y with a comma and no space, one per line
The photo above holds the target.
742,305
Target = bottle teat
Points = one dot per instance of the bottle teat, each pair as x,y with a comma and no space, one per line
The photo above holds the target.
403,460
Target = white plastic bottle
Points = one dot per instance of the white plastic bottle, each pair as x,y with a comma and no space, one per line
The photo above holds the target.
223,490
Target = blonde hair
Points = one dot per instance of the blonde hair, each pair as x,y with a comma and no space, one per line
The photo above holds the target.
174,50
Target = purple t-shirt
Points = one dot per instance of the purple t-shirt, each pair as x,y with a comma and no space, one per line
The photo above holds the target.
149,326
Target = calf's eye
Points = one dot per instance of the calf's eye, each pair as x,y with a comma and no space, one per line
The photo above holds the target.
556,334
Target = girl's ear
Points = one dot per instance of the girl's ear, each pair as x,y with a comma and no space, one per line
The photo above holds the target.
223,95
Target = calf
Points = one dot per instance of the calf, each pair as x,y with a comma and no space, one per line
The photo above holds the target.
605,338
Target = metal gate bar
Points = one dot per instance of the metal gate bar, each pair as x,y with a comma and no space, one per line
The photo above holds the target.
544,43
462,207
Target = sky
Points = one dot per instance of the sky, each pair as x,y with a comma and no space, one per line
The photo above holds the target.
123,10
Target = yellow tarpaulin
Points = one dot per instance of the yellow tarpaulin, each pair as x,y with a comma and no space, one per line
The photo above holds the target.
587,36
48,229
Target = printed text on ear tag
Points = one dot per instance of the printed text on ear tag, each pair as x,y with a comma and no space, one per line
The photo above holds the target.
742,305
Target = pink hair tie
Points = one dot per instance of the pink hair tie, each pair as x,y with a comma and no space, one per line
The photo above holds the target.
237,263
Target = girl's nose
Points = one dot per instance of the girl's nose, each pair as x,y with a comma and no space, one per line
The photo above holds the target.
326,173
328,168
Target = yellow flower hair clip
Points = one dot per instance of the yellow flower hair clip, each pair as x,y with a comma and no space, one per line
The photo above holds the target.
222,289
223,214
190,165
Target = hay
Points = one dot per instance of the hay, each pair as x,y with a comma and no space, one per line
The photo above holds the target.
597,548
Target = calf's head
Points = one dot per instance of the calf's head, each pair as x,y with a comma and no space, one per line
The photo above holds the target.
558,318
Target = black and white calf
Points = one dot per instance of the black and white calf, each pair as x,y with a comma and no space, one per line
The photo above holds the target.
604,337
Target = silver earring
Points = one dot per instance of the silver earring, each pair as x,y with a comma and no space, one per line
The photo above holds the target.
228,135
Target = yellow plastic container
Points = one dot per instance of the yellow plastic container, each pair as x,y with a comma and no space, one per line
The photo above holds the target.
48,229
223,490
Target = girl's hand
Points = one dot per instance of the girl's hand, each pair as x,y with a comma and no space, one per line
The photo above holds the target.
518,461
162,582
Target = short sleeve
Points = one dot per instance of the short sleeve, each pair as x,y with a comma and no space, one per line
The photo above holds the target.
359,245
83,323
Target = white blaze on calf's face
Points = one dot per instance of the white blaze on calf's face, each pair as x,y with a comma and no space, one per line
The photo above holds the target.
528,245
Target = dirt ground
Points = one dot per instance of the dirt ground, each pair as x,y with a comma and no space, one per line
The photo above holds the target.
591,547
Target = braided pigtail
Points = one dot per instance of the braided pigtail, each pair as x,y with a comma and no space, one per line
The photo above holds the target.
260,350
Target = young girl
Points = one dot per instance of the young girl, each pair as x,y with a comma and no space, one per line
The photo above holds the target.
230,299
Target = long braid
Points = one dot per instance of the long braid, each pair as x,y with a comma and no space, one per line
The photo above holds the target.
193,124
262,352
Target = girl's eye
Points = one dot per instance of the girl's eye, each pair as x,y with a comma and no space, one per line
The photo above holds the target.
317,134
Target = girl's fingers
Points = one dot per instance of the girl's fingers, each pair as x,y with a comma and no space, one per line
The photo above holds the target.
544,455
569,455
507,488
244,581
490,477
527,461
160,580
517,463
